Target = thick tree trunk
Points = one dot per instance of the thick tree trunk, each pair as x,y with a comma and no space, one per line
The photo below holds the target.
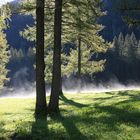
56,79
79,65
41,107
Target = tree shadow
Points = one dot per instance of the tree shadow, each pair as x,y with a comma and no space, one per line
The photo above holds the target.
109,93
118,115
69,124
127,93
132,97
2,130
108,116
105,98
71,102
40,130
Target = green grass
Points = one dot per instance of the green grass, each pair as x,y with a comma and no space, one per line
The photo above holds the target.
104,116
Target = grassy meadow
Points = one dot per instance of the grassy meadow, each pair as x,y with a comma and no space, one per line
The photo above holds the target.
102,116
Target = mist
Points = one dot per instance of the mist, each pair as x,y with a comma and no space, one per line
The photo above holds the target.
101,87
27,89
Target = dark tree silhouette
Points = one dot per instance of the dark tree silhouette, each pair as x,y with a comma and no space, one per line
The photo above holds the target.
56,88
41,109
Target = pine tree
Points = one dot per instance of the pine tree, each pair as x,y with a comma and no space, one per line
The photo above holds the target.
31,52
4,55
121,44
126,48
74,26
138,51
134,45
88,66
115,46
49,67
79,24
81,17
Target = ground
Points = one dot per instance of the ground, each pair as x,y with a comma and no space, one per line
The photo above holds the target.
102,116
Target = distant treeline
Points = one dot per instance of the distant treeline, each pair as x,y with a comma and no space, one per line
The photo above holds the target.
21,66
123,59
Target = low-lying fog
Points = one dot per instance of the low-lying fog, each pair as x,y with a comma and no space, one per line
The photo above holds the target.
29,91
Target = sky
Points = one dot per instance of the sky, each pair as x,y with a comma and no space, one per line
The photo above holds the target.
4,1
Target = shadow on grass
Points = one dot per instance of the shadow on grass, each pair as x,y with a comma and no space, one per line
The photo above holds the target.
118,115
131,97
40,130
122,111
105,98
70,126
71,102
101,118
2,130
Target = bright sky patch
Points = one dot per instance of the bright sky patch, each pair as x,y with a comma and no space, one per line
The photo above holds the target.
5,1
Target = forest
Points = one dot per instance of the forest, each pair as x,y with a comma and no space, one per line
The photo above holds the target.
69,70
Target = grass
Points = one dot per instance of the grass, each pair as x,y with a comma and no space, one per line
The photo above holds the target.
104,116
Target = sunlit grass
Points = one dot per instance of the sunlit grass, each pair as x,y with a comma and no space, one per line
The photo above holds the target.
102,116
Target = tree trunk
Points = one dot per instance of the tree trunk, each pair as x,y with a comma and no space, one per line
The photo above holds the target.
79,65
41,107
56,79
61,90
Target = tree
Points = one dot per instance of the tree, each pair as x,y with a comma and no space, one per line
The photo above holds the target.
134,44
138,51
88,66
74,25
56,41
115,47
31,52
3,59
81,24
4,52
56,77
126,48
41,109
120,44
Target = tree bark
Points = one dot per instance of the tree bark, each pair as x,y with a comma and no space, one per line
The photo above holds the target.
79,65
61,90
41,107
56,79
